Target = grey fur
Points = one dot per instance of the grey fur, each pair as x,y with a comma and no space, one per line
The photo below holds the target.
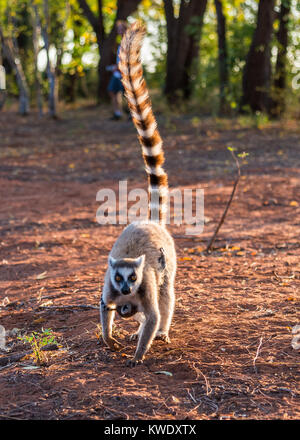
139,248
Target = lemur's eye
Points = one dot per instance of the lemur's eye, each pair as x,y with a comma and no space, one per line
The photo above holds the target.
132,277
118,278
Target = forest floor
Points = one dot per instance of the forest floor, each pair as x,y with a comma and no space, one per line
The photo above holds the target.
230,355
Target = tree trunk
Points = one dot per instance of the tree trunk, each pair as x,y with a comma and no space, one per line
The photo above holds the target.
106,41
50,70
36,31
182,46
2,81
9,51
44,26
278,102
222,51
257,71
107,58
59,54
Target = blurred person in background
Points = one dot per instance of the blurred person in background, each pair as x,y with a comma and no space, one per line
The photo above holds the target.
115,86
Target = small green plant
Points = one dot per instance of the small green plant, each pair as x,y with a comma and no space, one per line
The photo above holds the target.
37,341
261,120
196,122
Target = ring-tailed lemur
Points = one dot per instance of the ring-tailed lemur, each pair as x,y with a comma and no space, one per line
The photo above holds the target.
141,270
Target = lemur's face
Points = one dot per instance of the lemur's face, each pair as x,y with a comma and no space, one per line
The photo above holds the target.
126,274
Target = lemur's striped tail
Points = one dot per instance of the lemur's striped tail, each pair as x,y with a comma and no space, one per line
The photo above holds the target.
139,104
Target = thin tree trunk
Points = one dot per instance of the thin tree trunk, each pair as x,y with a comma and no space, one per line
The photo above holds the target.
2,80
222,49
60,52
257,71
278,103
36,31
58,73
2,85
50,70
12,56
44,26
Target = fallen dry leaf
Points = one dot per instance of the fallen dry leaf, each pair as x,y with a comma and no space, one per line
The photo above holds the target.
166,373
42,275
39,320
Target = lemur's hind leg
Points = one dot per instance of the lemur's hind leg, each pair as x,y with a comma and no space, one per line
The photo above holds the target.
140,317
166,308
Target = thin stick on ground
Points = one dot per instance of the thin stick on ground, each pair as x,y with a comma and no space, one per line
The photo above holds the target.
257,354
212,240
208,388
70,307
15,357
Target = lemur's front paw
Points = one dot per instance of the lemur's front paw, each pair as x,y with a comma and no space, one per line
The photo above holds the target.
133,362
163,337
113,344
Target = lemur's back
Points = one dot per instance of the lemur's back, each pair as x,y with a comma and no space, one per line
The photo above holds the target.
146,238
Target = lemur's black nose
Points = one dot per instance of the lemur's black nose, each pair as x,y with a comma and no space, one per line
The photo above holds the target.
126,290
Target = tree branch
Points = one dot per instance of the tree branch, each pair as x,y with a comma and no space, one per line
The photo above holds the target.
125,8
100,21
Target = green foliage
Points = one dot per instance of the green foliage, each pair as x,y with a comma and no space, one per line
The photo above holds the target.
239,29
257,120
37,341
74,45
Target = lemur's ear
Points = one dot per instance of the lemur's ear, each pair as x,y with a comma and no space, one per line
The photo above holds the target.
140,261
112,261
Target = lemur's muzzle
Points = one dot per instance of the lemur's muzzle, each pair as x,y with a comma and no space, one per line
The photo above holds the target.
126,290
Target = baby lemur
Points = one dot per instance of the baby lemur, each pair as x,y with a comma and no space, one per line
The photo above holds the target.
139,280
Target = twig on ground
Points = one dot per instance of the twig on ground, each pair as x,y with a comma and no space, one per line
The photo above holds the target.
208,388
164,403
192,397
5,416
194,408
257,354
70,307
5,360
282,277
212,240
113,411
14,357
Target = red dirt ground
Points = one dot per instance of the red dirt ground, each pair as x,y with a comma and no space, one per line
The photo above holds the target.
230,355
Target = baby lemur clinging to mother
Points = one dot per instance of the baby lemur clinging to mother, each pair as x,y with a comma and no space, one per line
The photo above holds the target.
141,270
